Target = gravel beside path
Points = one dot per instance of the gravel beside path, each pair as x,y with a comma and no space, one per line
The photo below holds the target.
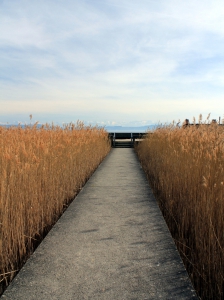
111,243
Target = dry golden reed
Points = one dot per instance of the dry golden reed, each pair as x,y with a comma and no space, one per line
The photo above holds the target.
185,168
41,170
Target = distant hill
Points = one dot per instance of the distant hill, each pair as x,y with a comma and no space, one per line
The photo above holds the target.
107,128
21,125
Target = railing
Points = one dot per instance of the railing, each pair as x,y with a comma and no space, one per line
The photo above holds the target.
124,136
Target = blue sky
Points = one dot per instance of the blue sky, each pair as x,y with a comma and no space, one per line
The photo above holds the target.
112,62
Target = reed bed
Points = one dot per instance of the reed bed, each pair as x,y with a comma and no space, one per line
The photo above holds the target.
41,170
185,168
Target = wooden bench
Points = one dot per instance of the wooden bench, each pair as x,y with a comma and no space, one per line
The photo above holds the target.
125,136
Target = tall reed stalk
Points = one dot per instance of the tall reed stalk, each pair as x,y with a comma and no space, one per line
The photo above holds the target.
185,168
41,170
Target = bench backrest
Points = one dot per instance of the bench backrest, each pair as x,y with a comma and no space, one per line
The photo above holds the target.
127,135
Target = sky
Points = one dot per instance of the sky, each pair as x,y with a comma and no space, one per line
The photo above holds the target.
111,62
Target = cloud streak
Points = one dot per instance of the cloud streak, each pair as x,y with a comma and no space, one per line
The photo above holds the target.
102,58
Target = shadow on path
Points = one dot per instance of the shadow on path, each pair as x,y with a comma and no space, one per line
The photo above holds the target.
111,243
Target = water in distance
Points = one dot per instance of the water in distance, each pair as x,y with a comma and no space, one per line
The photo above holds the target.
129,129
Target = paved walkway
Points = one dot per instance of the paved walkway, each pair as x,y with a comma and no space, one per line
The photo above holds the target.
111,243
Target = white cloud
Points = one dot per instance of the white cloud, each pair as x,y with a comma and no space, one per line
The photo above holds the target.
98,56
21,32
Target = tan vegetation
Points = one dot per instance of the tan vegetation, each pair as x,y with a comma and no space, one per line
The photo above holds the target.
185,167
41,170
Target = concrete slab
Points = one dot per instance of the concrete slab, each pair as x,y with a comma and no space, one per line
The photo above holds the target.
111,243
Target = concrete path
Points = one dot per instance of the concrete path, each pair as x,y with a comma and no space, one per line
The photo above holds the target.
111,243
